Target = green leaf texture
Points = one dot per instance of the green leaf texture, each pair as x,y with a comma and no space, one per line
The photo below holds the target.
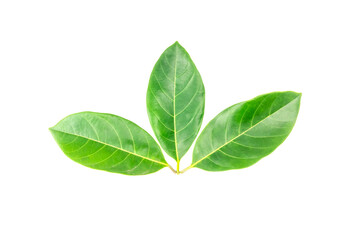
108,142
175,101
246,132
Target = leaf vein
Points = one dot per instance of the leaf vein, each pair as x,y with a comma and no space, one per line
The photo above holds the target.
194,164
121,149
160,104
192,98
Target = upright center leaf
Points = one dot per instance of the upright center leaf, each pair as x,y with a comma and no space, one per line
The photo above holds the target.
175,101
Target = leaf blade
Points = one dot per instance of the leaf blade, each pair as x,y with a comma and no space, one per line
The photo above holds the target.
246,132
175,101
121,146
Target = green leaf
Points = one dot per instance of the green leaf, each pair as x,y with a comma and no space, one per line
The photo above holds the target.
246,132
108,142
175,101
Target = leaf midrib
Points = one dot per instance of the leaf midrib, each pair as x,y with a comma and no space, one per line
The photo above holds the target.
174,105
91,139
194,164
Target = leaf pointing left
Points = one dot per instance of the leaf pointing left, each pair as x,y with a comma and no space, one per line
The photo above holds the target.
108,142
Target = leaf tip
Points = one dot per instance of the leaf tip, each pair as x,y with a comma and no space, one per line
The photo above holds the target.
299,94
52,130
177,44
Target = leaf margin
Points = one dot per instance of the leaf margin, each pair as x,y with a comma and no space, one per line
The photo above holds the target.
194,164
199,113
163,164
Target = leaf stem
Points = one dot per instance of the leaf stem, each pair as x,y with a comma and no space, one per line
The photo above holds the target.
189,167
171,168
178,167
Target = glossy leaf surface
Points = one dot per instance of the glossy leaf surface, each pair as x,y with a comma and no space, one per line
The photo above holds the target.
108,142
175,101
246,132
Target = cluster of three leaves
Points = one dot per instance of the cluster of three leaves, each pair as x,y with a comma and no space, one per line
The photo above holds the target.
236,138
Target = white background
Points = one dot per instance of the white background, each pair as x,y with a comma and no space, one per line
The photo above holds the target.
62,57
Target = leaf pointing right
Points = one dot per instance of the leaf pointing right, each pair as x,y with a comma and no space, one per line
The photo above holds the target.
246,132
